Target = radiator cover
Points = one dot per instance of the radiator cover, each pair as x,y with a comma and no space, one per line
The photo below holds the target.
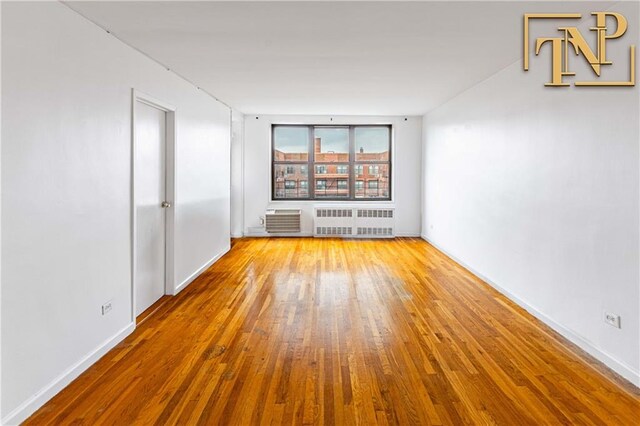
354,222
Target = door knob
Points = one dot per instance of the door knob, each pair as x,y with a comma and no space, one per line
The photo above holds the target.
166,204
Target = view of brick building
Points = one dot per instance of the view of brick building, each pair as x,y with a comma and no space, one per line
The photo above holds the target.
331,174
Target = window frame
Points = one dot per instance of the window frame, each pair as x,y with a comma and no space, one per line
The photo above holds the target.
351,164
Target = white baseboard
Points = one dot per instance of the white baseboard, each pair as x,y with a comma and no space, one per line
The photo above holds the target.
27,408
266,235
619,367
408,234
199,271
307,234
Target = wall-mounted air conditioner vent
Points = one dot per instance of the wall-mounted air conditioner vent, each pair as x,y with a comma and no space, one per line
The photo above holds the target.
282,221
354,222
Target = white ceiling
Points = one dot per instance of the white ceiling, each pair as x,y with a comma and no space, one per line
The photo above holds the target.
364,58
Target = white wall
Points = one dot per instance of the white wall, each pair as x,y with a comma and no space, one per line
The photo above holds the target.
405,179
66,163
0,219
237,155
537,190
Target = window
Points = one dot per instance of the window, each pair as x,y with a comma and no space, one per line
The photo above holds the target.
373,165
331,144
372,143
290,162
342,162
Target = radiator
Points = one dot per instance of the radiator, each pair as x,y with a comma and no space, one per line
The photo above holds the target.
333,221
282,221
354,222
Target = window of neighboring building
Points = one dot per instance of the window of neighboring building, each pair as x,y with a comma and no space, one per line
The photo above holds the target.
342,162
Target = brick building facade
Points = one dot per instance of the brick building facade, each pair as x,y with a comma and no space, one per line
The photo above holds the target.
331,177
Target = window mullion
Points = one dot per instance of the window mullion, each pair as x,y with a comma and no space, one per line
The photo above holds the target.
352,158
311,168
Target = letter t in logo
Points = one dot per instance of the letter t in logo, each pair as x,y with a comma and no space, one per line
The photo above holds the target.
556,59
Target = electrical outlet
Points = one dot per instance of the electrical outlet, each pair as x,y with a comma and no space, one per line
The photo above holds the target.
106,308
612,319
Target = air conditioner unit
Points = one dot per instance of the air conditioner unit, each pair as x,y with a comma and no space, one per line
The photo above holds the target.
353,222
282,221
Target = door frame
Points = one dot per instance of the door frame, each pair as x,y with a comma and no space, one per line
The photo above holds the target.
170,188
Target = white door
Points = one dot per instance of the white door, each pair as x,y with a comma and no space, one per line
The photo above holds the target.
150,193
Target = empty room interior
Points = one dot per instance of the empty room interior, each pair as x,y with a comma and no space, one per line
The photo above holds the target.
320,212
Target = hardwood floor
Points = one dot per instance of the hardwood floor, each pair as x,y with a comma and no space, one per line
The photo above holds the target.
328,331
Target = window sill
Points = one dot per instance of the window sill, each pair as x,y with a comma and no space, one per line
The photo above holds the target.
359,202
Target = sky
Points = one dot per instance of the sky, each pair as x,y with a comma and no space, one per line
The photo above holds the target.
294,139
